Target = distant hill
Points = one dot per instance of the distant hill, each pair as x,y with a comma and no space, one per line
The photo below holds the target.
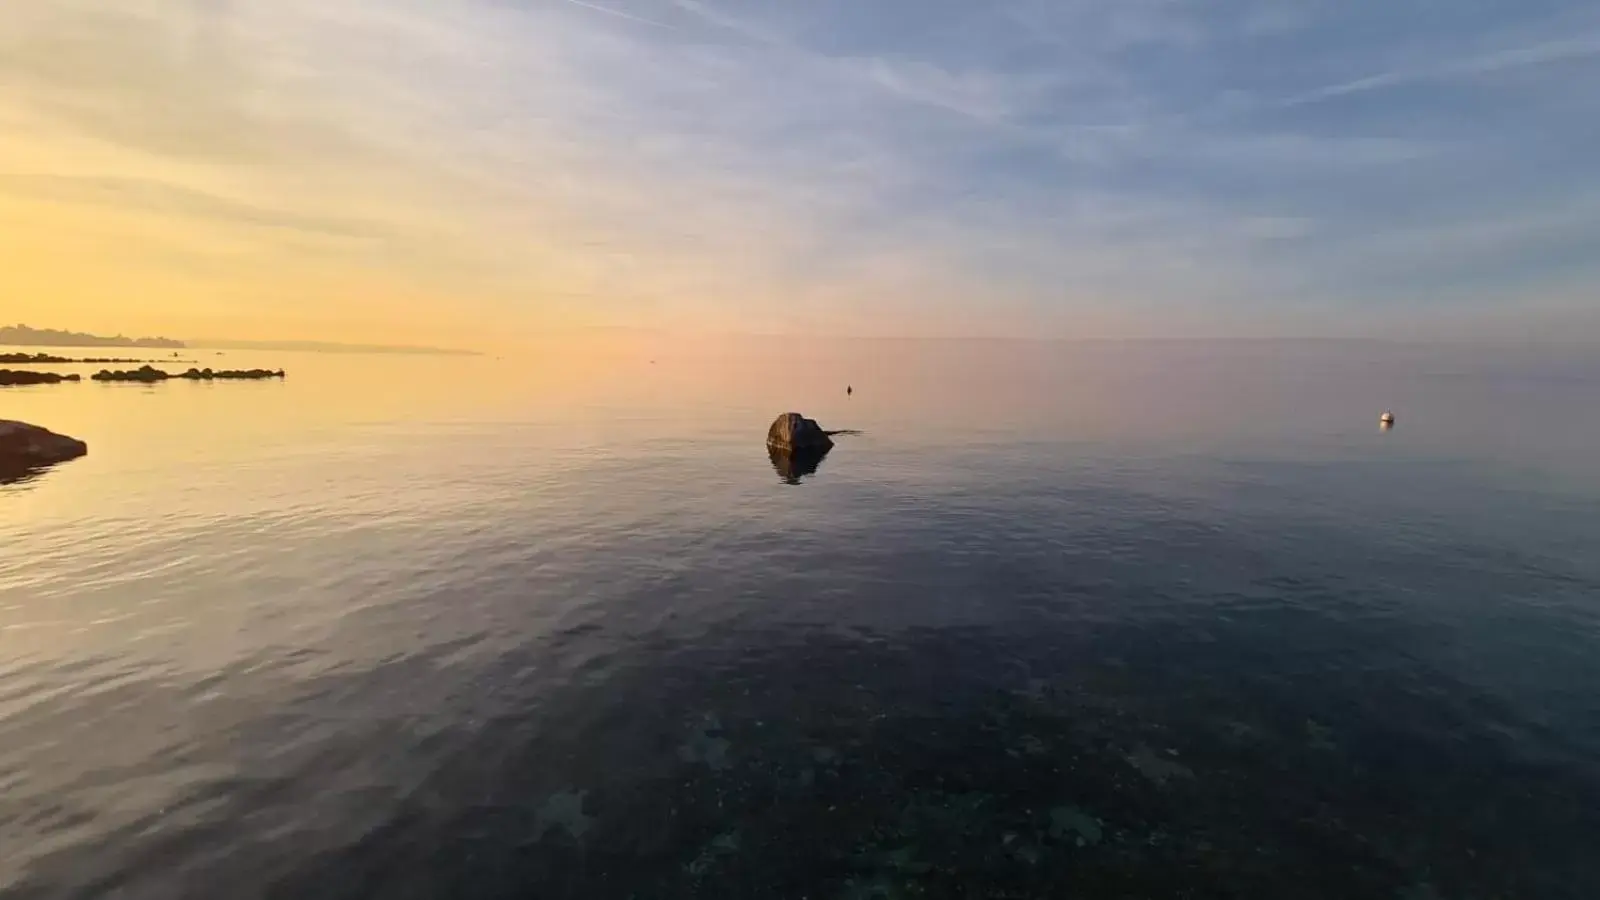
23,336
328,347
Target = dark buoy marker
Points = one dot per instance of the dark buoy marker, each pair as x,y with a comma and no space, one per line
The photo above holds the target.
848,390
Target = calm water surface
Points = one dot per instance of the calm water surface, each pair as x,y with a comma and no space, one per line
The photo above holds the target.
1083,620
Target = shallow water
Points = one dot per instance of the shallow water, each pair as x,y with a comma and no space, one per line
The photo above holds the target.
1089,620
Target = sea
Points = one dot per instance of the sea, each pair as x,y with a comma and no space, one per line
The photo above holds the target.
1165,619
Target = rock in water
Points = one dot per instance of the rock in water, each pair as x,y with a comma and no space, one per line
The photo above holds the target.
150,375
9,377
146,374
792,432
24,446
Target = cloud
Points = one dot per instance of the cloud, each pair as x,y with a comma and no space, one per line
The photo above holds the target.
620,14
1488,63
740,26
1017,167
1274,19
978,95
1112,27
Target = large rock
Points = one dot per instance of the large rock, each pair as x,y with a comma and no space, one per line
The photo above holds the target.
24,447
793,432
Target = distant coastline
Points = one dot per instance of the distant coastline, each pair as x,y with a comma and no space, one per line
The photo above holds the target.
328,347
23,336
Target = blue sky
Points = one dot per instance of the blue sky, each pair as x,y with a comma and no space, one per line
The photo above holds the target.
1079,168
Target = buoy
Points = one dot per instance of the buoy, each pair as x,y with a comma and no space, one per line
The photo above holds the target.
848,390
1386,419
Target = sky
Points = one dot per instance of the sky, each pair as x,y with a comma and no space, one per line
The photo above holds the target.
448,172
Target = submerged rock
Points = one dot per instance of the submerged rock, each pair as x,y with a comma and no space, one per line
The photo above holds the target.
563,811
707,745
11,377
724,844
792,431
1070,822
24,447
1157,768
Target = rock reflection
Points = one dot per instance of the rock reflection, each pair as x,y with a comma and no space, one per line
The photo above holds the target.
793,465
16,474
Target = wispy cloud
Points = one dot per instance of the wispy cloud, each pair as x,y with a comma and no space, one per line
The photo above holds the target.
741,26
620,14
1489,63
984,96
1112,27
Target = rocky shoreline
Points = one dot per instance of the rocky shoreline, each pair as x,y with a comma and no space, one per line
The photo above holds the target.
143,375
150,375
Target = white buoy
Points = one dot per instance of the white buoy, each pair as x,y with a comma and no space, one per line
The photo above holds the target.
1386,419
